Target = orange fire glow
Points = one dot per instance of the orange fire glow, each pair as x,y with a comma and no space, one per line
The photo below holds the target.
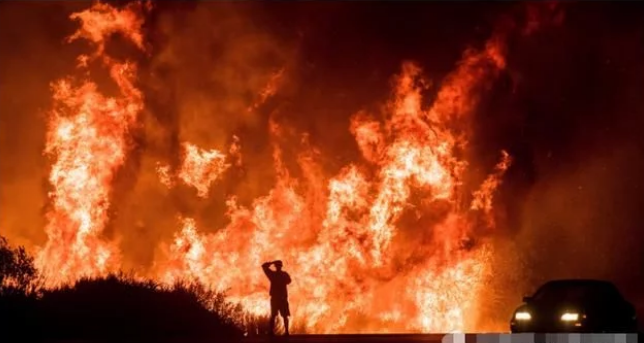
355,265
359,263
200,168
87,138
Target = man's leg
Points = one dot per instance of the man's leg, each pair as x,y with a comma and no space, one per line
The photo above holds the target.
286,313
274,310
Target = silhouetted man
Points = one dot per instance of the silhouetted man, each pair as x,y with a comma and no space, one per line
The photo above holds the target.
279,294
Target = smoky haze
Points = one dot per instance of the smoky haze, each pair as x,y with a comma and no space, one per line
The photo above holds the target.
567,110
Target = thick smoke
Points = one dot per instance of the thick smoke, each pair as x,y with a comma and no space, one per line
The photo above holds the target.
570,117
31,42
568,112
211,71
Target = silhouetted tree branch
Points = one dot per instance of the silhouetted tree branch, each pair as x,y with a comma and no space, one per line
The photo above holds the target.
17,271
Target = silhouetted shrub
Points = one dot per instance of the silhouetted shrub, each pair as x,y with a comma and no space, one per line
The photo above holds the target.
113,307
18,302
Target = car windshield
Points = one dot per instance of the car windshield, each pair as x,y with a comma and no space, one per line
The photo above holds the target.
576,291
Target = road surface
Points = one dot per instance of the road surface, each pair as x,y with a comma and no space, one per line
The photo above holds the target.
456,338
384,338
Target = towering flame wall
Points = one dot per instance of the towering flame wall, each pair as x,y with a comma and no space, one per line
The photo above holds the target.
390,243
88,137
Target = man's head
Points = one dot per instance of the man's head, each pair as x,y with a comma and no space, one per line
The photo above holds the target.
278,265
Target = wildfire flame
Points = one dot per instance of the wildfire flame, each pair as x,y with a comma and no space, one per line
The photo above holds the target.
356,265
200,168
359,263
87,137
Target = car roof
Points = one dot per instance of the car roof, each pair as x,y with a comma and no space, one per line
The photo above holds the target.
580,282
592,283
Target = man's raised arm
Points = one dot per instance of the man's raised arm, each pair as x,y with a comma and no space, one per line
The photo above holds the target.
266,269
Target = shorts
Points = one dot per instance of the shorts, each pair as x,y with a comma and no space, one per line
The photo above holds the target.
280,305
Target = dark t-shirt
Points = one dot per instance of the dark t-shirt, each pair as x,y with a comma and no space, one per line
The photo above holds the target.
279,280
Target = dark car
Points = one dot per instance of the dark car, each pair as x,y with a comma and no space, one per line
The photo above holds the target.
575,306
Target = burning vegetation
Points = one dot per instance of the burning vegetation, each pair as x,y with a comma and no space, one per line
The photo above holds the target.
396,239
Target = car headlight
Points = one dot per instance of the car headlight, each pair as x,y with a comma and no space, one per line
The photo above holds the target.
522,315
570,317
